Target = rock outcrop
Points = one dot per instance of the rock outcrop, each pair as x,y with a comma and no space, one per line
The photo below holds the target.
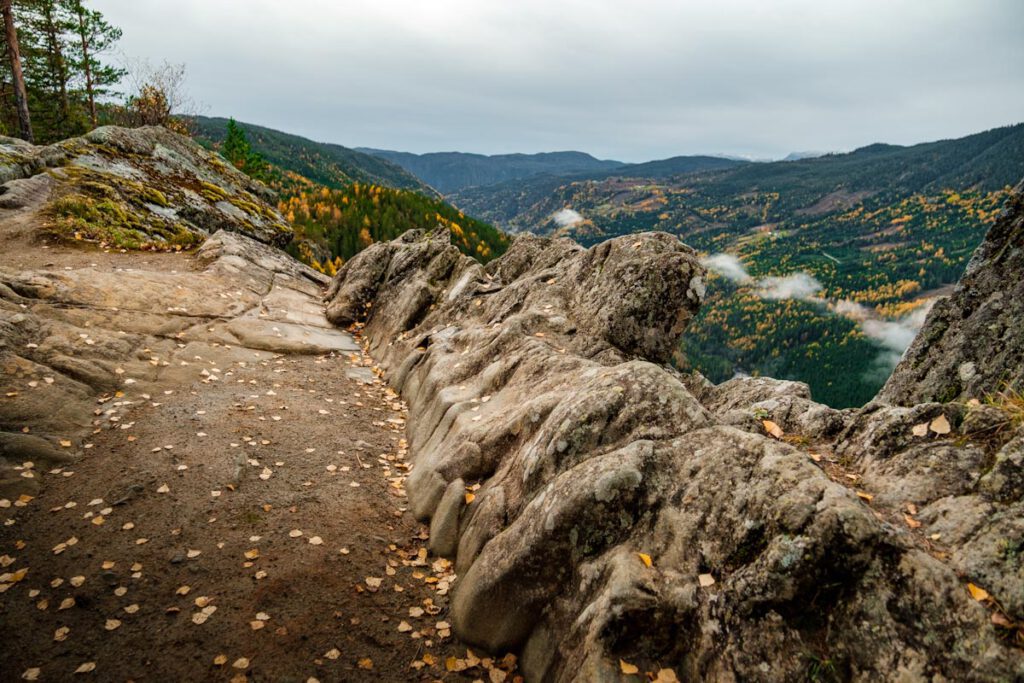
137,188
599,506
71,338
972,344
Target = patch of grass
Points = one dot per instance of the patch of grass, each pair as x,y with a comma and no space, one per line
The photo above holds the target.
109,222
1011,402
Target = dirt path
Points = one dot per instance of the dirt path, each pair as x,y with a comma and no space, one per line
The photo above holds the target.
239,516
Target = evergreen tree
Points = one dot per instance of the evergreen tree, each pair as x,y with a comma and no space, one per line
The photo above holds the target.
53,47
95,36
238,151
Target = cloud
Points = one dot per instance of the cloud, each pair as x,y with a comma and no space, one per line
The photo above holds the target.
893,336
567,217
792,286
728,266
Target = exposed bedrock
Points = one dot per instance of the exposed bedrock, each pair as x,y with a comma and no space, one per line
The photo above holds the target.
601,506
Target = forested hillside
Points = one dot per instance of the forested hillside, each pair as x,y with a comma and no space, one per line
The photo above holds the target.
875,232
334,214
325,163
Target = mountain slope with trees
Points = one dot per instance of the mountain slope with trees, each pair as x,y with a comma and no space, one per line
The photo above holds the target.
884,227
452,171
325,163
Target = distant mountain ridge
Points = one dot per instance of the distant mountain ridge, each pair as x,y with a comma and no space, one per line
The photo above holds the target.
452,171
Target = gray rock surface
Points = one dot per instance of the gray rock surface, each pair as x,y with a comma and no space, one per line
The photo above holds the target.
137,187
620,510
972,343
71,339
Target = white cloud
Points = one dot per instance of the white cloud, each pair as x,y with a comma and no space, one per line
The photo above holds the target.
792,286
728,266
567,217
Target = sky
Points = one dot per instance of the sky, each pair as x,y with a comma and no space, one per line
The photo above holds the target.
634,81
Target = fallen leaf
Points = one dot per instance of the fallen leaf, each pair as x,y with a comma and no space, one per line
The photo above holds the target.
645,558
31,674
316,540
706,580
333,653
112,624
252,554
404,627
241,663
773,429
86,668
220,660
1000,619
865,496
978,593
940,425
469,498
628,668
911,522
366,663
920,430
666,676
164,488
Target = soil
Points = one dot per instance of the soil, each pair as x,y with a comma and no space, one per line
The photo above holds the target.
269,488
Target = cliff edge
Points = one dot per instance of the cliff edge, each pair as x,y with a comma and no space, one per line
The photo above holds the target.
605,512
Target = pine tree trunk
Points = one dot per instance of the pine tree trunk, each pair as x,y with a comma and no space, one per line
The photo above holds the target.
20,94
88,67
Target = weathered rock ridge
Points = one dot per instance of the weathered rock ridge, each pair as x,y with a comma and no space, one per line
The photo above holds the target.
600,506
136,188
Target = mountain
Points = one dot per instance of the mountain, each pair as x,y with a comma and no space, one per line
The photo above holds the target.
797,156
867,239
452,171
322,162
340,201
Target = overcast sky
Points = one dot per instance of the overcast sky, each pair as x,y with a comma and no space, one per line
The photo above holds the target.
634,80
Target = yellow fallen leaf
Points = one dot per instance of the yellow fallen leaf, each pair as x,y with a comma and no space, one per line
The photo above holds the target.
220,660
865,496
366,663
773,429
86,668
978,593
65,443
333,653
469,498
241,663
940,425
920,430
252,554
666,676
911,522
645,558
628,668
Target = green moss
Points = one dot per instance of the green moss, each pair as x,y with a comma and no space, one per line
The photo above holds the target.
108,221
154,196
211,192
